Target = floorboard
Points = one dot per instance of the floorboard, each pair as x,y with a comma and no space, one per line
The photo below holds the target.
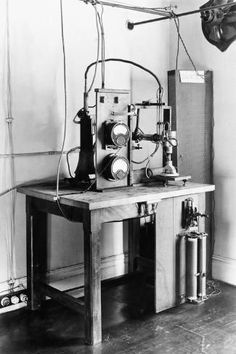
129,326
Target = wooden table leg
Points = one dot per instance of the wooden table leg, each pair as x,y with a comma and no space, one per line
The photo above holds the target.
36,237
165,239
92,277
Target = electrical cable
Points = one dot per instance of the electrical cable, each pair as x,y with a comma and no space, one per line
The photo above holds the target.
100,38
67,159
92,184
98,49
126,62
100,22
160,88
20,286
138,130
159,91
66,108
212,288
103,53
180,38
23,184
177,25
148,157
102,61
19,185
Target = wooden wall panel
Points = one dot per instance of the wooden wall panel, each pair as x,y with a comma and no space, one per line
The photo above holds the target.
192,114
168,226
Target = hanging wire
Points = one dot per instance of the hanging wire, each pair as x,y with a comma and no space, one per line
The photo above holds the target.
177,25
148,157
9,121
65,108
160,88
98,48
100,22
180,39
103,54
94,181
67,159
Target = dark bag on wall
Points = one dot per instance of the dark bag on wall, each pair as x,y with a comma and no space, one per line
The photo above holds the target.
219,25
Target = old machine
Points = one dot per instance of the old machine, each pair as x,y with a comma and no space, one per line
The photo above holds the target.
111,143
120,140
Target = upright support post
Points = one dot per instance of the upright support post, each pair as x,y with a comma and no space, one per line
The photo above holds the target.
92,277
191,268
202,239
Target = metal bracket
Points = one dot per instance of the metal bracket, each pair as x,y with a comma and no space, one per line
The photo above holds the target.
190,214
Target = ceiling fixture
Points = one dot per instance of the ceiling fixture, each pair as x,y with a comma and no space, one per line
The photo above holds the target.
218,21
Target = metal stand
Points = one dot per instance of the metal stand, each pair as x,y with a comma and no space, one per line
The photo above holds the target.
167,178
191,282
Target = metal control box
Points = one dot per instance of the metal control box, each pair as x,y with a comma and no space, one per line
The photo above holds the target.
113,139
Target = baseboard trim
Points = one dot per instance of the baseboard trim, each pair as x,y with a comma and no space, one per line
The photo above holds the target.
73,276
224,269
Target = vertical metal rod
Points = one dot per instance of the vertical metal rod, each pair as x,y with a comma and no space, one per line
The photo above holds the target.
191,267
131,25
202,239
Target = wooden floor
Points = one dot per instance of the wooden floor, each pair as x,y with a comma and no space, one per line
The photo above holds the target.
129,326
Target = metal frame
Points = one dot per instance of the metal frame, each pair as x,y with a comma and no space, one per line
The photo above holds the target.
131,25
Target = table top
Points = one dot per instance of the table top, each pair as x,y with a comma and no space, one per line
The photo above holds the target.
93,200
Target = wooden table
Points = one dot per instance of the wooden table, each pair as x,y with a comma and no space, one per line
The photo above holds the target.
93,209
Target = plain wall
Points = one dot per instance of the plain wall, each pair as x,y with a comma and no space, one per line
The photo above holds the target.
38,104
